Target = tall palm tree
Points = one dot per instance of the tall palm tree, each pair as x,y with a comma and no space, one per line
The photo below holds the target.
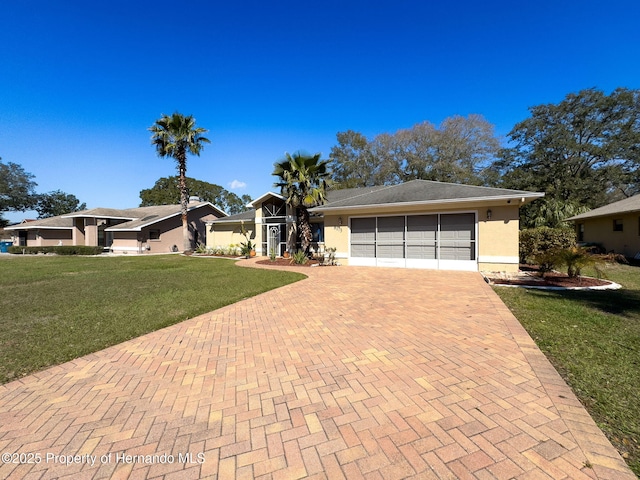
303,183
175,136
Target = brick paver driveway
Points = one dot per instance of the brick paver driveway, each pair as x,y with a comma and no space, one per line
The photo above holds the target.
352,373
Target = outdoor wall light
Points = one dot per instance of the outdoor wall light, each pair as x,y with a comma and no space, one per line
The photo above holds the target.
489,212
340,221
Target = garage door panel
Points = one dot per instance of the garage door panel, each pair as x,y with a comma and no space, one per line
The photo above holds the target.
363,230
390,229
390,251
456,253
426,252
457,226
363,250
422,228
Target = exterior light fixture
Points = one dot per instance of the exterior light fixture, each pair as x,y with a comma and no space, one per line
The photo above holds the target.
489,212
340,221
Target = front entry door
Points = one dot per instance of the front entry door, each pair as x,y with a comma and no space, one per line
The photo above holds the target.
273,239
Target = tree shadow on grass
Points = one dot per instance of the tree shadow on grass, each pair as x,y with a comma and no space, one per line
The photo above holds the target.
622,302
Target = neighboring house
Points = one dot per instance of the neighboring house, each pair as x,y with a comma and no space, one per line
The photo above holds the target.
615,227
418,224
156,229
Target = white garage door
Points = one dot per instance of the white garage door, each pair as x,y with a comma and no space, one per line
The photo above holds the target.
442,241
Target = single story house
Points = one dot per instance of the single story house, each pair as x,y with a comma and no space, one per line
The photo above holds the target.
615,227
155,229
417,224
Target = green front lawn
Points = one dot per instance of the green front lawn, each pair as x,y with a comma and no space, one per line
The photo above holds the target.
54,309
593,340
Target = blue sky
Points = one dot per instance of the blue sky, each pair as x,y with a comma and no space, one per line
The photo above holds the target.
81,82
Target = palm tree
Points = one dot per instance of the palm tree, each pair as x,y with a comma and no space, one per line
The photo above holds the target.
175,136
303,183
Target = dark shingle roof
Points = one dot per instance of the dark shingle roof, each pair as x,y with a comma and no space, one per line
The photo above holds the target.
247,216
418,191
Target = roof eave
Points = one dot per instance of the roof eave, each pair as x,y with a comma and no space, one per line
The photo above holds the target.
111,217
36,227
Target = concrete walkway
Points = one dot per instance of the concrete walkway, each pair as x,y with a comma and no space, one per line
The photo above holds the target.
352,373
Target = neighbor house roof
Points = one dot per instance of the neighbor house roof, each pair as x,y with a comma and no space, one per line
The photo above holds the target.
138,218
628,205
419,192
147,216
53,223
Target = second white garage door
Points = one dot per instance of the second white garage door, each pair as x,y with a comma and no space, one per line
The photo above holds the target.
444,241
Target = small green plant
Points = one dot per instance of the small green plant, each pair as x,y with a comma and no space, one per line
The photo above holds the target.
577,258
299,257
546,261
246,248
272,254
201,248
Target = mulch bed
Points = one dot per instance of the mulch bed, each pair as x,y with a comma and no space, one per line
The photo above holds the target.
531,276
552,280
286,262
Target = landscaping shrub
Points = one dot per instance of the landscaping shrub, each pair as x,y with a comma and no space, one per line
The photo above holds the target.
546,261
58,250
299,257
541,240
577,258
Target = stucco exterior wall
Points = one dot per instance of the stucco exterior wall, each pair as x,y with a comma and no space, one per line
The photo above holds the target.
498,244
44,238
600,230
225,234
90,232
336,235
51,238
78,231
125,242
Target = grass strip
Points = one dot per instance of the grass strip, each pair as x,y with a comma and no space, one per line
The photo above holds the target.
54,309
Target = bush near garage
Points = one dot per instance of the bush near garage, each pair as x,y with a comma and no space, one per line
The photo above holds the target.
535,242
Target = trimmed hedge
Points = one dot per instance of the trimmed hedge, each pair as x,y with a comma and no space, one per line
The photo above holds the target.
535,242
58,250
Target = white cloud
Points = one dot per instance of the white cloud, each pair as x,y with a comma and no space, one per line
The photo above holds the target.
237,184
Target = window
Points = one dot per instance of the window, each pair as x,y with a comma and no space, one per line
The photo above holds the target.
617,225
317,231
154,234
581,232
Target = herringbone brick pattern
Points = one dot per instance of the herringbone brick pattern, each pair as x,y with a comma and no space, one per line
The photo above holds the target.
353,373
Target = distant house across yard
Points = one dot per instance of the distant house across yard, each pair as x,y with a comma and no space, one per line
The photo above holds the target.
156,229
615,227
